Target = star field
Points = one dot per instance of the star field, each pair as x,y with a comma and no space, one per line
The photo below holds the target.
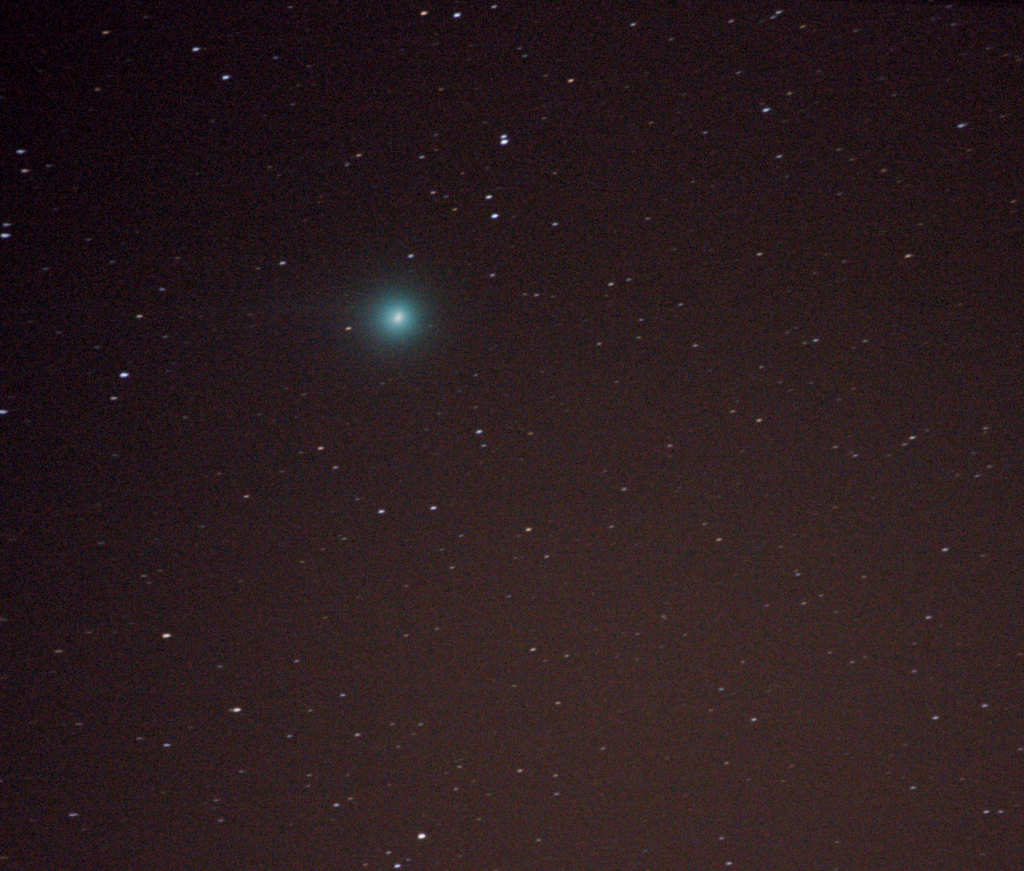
502,436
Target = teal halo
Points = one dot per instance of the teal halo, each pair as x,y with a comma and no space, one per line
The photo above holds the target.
398,319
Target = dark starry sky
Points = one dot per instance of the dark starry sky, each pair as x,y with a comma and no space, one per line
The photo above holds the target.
675,523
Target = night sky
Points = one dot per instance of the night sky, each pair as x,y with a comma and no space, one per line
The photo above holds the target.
512,437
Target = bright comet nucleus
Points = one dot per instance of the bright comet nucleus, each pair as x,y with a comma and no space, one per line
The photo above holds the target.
398,319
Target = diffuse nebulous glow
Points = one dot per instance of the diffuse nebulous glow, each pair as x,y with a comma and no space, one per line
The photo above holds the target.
398,318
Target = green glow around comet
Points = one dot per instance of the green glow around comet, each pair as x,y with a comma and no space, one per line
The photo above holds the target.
398,320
